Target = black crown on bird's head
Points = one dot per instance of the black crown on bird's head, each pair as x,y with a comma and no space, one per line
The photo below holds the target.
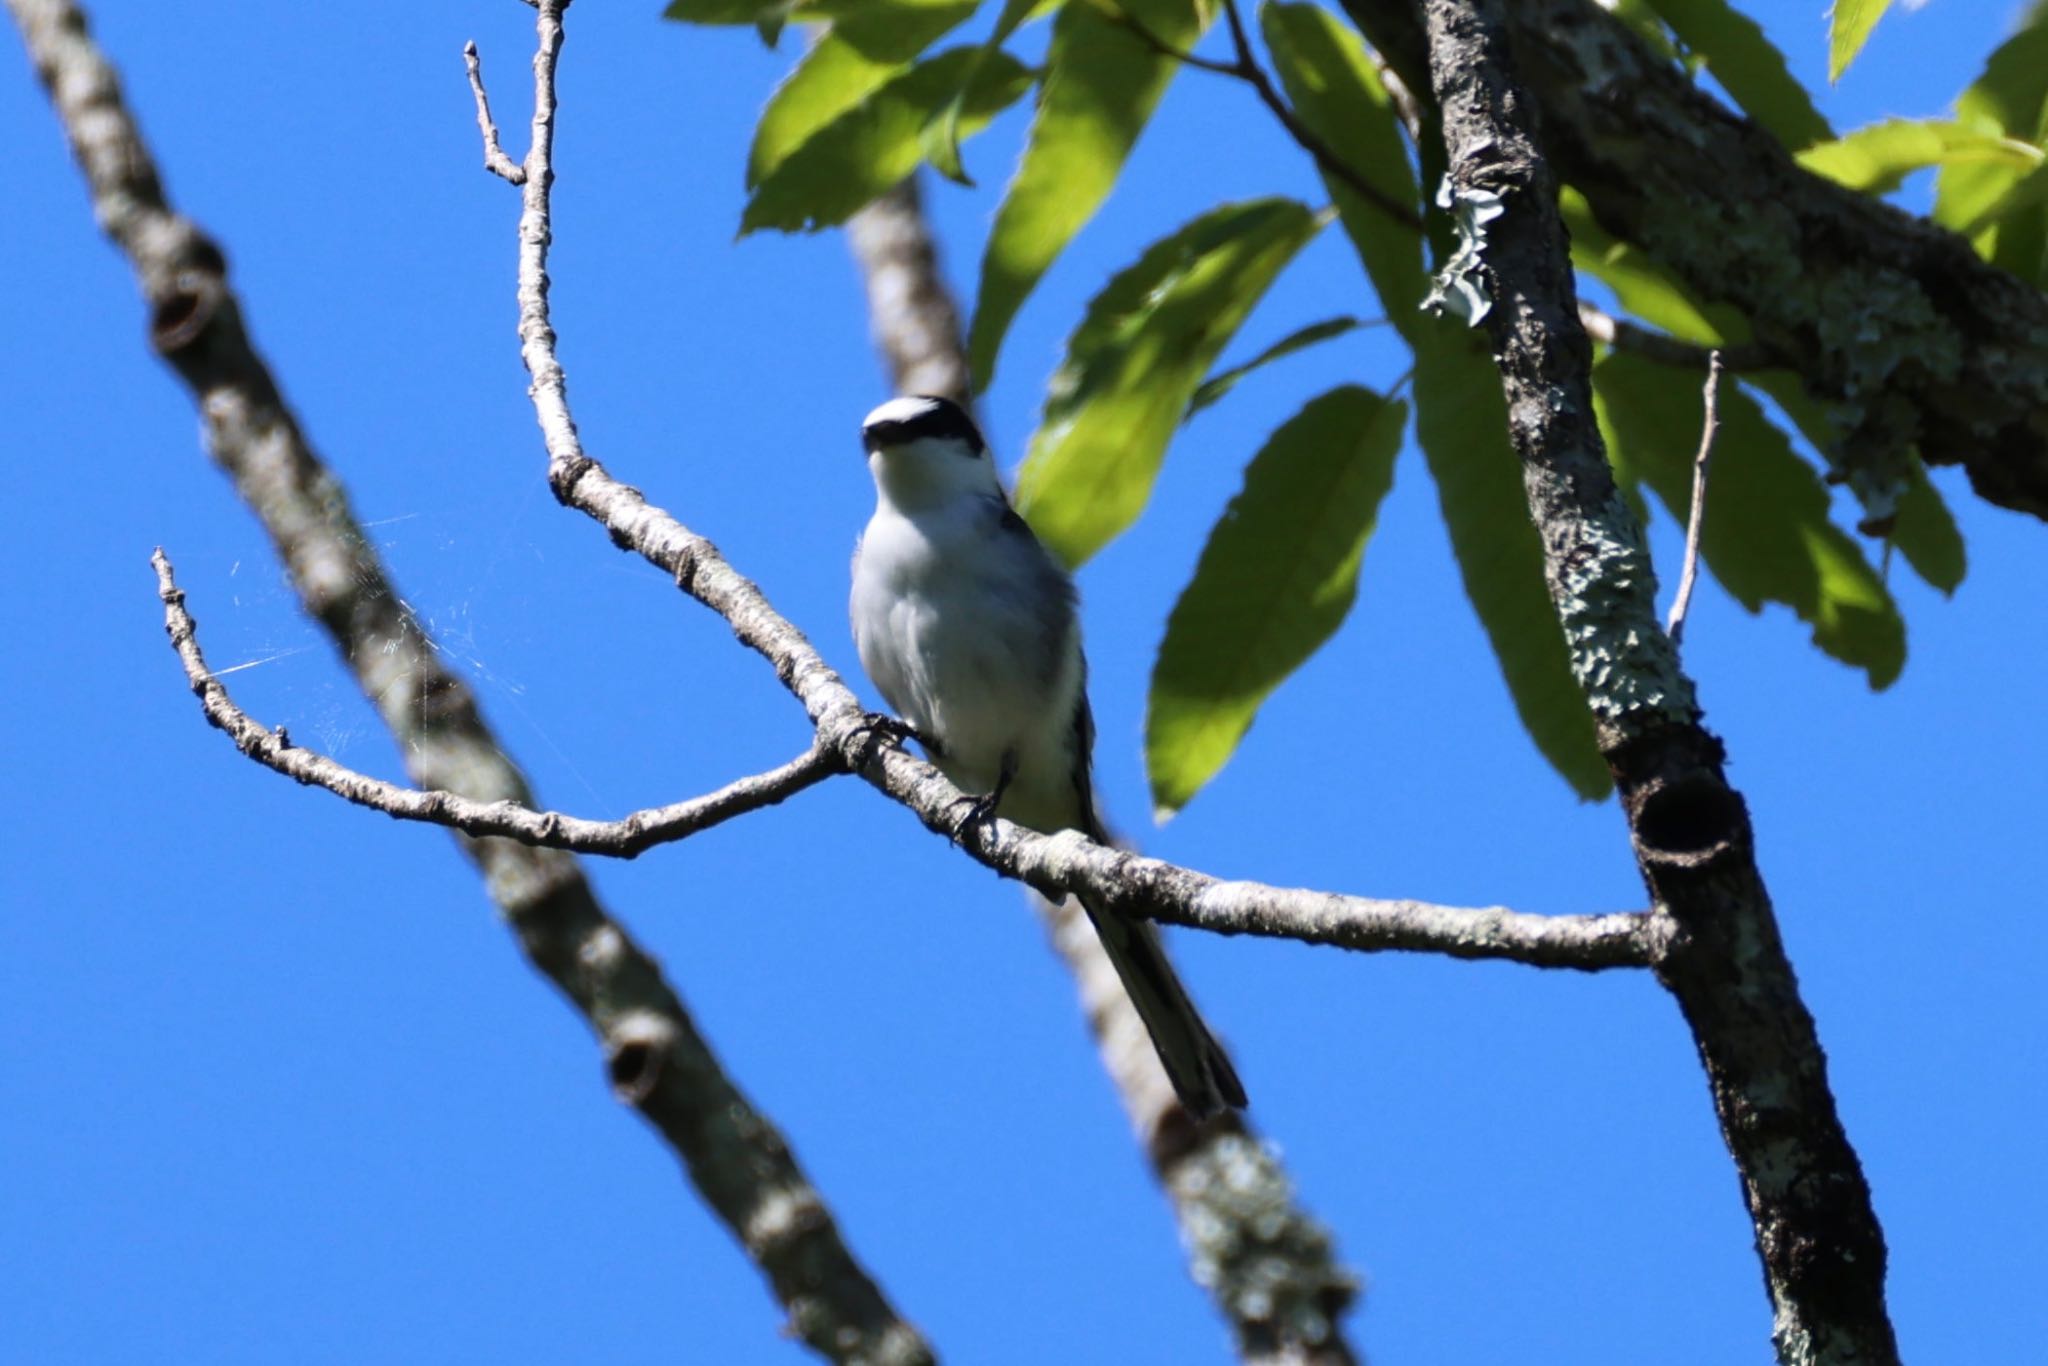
920,417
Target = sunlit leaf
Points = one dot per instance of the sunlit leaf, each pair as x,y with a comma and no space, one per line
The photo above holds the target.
1223,381
1101,85
1135,362
942,134
1275,580
1878,159
1849,28
729,11
872,145
1748,66
1766,535
1994,204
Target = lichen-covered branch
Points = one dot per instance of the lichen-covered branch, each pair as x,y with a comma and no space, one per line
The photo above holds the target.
657,1061
1822,1250
1269,1264
1912,340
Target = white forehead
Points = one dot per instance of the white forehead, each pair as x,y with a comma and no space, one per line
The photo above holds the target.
905,409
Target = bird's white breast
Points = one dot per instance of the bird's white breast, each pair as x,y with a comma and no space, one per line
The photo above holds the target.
953,626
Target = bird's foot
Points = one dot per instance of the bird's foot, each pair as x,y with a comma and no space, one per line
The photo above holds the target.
980,811
879,728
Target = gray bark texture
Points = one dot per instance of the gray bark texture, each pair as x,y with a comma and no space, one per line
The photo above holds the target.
1911,340
1822,1250
656,1059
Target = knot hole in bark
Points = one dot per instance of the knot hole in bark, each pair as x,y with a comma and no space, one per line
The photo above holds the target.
635,1055
1690,820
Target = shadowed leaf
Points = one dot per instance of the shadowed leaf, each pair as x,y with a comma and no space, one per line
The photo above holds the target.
1748,66
1767,534
1101,85
1925,532
1223,381
1274,582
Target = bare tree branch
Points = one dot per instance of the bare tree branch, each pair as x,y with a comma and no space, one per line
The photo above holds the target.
657,1061
1822,1250
495,160
1885,317
915,321
627,837
1056,865
1710,422
1268,1263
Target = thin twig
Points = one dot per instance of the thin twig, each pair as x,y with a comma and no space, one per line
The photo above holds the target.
1711,423
627,837
495,160
1245,67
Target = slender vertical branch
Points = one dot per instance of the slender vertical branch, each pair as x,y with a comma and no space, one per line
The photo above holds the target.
1822,1250
655,1058
1710,422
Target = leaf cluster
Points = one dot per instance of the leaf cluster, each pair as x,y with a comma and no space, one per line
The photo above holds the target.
877,92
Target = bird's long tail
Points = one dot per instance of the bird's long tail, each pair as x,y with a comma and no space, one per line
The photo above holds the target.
1195,1063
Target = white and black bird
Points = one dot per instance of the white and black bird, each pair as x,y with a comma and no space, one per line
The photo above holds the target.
969,629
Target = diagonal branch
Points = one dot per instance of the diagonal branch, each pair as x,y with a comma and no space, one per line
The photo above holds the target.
733,1155
1892,321
1056,865
1822,1250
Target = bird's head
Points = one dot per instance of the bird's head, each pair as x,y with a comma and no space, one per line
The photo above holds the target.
926,451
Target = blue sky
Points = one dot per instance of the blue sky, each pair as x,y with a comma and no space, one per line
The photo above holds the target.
277,1087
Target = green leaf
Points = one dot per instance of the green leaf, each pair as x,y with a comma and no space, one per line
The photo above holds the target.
858,55
833,77
1766,534
873,145
1335,89
1101,85
1927,535
1849,26
1748,66
890,30
1878,158
756,12
1461,423
1223,381
1986,202
1460,416
942,134
1134,363
1274,582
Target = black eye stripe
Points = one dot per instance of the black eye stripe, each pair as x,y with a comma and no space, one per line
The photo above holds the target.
943,419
